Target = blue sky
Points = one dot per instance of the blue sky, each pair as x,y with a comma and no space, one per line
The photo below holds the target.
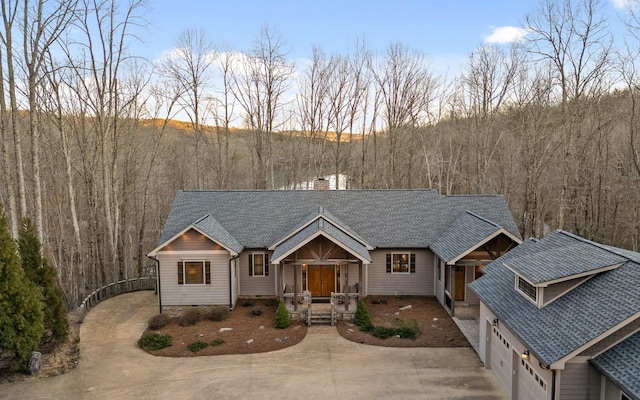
445,30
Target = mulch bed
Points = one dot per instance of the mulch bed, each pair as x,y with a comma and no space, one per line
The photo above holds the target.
242,332
436,327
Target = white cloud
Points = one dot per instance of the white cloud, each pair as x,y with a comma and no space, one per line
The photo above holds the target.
622,4
506,34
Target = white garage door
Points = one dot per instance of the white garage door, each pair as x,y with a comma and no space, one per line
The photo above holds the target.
501,358
530,384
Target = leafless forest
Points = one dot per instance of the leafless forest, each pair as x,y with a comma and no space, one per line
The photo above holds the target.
93,154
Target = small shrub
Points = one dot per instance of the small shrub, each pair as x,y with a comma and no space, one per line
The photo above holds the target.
283,320
406,328
197,346
362,318
383,332
216,342
247,303
190,317
256,312
158,321
218,313
154,341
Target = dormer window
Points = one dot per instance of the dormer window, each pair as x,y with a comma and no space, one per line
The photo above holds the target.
527,289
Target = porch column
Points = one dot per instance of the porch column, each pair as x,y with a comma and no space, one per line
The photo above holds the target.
281,280
346,284
295,287
360,283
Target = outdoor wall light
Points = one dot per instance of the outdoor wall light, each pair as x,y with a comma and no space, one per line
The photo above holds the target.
495,322
525,355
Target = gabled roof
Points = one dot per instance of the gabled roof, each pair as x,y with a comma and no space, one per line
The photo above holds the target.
321,212
574,321
621,364
379,218
325,228
211,229
466,233
561,256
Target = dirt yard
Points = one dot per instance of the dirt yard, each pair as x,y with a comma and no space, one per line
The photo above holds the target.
256,334
436,327
242,332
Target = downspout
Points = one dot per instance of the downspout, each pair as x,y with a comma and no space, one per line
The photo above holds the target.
158,282
231,282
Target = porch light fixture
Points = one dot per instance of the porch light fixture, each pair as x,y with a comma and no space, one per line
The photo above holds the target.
495,322
525,355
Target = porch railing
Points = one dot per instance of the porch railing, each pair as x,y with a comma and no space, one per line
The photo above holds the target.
340,302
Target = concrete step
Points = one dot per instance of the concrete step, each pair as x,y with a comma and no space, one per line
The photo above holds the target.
320,318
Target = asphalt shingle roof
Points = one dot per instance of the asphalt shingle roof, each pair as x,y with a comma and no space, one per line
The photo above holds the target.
562,255
462,234
322,225
571,321
382,218
621,364
213,229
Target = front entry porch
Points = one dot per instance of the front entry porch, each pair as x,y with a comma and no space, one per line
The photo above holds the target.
339,306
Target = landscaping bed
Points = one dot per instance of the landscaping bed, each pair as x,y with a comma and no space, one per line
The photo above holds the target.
249,328
437,329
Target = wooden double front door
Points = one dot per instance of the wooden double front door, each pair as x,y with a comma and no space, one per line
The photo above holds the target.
321,280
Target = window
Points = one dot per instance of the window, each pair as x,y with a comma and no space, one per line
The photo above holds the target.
194,272
258,264
439,271
528,289
624,396
401,263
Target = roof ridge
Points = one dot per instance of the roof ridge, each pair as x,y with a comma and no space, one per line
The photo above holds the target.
608,249
480,217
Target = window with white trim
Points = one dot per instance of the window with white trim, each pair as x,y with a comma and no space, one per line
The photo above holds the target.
401,263
258,264
527,289
624,396
194,272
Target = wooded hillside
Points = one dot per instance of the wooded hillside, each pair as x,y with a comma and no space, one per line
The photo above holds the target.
93,154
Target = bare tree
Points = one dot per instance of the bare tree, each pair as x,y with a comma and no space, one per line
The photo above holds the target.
405,88
259,87
189,65
573,36
488,83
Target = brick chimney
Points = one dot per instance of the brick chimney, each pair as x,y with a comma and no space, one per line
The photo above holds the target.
321,183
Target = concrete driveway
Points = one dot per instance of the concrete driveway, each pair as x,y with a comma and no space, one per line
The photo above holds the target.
323,366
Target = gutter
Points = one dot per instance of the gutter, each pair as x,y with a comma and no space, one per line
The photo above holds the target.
231,283
158,287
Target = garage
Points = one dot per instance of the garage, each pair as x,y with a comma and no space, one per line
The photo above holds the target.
530,385
501,357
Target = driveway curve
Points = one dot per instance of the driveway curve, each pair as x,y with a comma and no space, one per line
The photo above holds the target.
323,366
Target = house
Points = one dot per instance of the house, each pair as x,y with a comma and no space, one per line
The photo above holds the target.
219,246
560,319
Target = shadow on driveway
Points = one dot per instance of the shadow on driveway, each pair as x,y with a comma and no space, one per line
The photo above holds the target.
323,366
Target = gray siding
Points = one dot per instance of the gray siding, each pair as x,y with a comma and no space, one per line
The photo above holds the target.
552,292
611,391
256,285
174,294
439,280
469,295
579,381
382,283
